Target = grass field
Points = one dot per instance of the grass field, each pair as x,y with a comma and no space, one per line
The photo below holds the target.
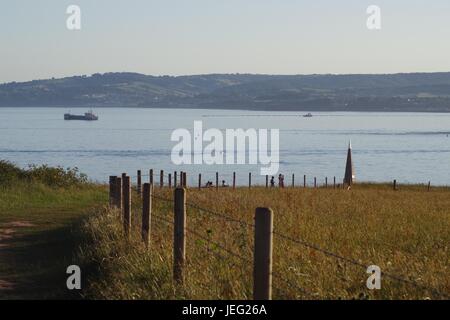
324,239
405,232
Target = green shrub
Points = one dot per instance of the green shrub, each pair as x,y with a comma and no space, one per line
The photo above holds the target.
50,176
10,173
56,176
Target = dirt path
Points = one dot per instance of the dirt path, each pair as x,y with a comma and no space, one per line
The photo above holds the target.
33,260
7,234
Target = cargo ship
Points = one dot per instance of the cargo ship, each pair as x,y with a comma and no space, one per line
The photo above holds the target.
88,116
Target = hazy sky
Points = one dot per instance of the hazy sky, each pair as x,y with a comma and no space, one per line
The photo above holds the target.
178,37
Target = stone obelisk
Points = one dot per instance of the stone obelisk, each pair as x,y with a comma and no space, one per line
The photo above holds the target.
349,173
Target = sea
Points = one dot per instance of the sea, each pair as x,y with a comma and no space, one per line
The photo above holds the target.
408,147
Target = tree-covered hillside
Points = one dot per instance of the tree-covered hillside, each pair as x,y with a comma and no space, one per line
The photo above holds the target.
390,92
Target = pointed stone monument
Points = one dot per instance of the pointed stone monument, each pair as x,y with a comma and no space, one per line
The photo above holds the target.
349,176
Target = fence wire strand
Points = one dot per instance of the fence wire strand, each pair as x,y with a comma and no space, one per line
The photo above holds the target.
290,284
162,198
359,264
221,215
218,245
210,212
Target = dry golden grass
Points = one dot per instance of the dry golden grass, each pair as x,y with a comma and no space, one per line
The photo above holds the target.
405,232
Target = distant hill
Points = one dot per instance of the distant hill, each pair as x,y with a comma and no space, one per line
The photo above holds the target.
428,92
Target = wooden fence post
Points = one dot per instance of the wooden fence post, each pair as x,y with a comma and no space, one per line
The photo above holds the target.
234,180
326,182
170,181
199,181
151,176
429,185
124,175
315,182
293,181
184,179
119,196
127,205
334,182
181,179
304,181
249,179
395,185
146,213
267,181
161,179
217,180
262,257
112,191
175,179
139,182
179,235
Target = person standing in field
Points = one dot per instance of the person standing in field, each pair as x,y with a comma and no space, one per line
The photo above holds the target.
272,182
281,180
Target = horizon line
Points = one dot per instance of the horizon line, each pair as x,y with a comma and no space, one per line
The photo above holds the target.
227,73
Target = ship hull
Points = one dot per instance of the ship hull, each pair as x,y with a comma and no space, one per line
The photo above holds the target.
79,117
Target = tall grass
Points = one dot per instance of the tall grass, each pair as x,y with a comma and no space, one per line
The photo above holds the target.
406,233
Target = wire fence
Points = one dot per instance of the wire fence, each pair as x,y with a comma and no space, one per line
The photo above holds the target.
354,262
297,241
228,179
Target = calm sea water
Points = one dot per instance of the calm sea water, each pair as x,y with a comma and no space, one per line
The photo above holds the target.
409,147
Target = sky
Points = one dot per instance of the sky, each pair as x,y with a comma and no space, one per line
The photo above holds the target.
180,37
